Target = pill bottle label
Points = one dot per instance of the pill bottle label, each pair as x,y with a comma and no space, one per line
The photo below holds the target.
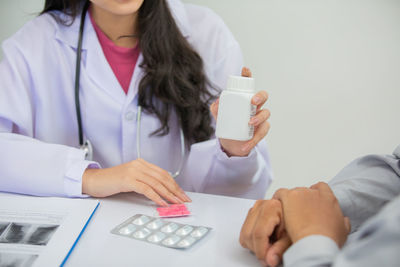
252,114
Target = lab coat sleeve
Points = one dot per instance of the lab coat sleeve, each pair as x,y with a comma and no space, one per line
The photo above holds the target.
27,165
210,169
213,172
366,184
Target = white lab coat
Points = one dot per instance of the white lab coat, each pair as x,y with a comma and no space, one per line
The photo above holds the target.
38,125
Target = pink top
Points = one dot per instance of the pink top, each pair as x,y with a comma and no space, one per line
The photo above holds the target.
122,60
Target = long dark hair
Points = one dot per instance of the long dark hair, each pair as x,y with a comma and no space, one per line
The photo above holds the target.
174,78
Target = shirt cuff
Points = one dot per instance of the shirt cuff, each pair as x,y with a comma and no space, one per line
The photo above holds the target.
76,166
314,250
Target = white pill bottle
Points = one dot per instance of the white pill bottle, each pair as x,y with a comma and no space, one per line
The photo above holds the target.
235,109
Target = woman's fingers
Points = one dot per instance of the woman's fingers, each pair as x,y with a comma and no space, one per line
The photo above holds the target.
146,190
259,99
246,72
165,178
261,116
214,109
135,176
171,186
160,189
259,134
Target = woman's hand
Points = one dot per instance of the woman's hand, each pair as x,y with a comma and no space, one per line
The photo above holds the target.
136,176
259,121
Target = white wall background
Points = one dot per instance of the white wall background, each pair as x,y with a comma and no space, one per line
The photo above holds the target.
14,14
332,69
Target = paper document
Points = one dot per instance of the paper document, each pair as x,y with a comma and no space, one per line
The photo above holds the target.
40,231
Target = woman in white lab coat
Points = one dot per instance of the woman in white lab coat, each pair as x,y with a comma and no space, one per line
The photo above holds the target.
185,52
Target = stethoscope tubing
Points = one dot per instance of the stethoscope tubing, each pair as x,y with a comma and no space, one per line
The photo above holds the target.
78,73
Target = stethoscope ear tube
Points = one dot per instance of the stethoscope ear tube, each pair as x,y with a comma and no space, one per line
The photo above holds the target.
138,150
84,145
176,174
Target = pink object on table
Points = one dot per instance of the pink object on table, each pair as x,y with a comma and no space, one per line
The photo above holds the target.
174,210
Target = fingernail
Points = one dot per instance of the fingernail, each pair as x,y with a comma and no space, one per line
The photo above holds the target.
184,197
187,197
164,203
257,100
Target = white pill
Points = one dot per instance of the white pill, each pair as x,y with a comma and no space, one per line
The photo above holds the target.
184,230
155,224
157,237
186,242
169,228
127,230
171,240
141,220
200,231
142,233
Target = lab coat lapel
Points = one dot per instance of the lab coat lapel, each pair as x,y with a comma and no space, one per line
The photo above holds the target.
137,76
97,67
94,64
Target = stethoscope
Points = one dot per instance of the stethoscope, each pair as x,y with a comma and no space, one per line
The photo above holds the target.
84,143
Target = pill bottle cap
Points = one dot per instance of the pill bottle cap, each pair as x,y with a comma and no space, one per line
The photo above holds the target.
239,83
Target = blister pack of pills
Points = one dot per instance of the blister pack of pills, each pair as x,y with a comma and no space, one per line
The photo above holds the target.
160,232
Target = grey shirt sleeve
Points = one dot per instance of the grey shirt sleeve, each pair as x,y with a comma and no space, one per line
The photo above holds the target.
366,184
377,243
314,250
368,190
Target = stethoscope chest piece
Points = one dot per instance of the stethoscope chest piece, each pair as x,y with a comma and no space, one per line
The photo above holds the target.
88,149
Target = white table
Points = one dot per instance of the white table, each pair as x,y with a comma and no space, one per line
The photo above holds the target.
98,247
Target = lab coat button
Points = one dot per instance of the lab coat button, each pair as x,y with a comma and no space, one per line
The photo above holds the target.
129,116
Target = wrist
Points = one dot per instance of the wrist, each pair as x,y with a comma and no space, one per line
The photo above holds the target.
315,231
87,180
225,151
232,150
